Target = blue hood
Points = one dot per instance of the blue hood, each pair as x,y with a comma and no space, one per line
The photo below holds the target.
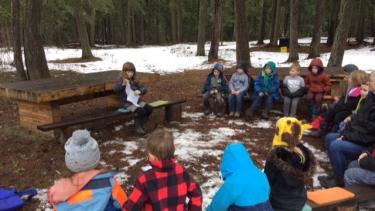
272,66
236,159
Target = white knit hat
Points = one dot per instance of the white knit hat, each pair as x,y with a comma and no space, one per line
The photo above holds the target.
81,152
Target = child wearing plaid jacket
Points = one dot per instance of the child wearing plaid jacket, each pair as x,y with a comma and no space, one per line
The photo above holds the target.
167,185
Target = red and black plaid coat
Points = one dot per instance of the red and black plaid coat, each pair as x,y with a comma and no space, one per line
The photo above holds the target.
165,187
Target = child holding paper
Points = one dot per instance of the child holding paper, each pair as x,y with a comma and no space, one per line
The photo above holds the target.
131,91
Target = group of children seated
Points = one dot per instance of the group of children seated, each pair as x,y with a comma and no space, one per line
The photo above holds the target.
349,124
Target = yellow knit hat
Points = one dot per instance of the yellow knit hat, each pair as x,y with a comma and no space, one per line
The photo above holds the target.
289,132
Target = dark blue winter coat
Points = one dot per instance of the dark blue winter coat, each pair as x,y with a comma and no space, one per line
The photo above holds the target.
208,86
274,83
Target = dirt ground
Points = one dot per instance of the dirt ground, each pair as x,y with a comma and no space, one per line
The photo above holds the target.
31,160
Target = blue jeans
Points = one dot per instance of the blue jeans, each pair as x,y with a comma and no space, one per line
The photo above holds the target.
235,102
258,102
355,175
341,151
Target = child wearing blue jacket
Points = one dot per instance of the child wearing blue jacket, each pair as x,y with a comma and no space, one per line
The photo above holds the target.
215,88
266,89
245,188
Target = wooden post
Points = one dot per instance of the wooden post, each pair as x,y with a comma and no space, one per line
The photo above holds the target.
173,112
34,114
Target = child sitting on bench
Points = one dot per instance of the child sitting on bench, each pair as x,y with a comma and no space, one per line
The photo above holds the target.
267,89
167,185
88,188
288,166
317,83
215,87
143,110
238,87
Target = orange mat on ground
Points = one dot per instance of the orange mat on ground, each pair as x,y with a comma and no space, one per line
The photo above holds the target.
330,195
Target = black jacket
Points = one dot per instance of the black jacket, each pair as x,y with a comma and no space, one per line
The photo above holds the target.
368,162
361,129
287,177
120,90
299,93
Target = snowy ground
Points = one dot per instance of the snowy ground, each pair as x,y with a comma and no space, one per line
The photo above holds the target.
199,151
176,58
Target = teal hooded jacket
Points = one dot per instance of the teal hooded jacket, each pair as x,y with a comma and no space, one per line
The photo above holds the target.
245,186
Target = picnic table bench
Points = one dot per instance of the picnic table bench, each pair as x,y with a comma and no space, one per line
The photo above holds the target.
39,101
362,194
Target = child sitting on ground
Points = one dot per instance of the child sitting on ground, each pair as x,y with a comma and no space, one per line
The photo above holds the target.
215,87
245,185
294,89
267,88
167,185
345,105
288,166
128,77
362,171
317,83
238,87
88,188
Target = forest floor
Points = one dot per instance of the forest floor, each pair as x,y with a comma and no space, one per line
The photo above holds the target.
31,160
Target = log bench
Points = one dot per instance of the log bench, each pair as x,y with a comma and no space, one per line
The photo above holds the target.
39,101
362,194
173,111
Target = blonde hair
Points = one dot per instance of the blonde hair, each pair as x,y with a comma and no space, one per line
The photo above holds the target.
160,144
296,66
359,77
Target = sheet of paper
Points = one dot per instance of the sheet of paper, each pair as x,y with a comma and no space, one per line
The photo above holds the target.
132,97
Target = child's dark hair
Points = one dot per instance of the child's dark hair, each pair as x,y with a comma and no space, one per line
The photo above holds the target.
160,144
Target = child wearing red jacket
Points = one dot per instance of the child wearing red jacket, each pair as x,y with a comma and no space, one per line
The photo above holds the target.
167,185
317,83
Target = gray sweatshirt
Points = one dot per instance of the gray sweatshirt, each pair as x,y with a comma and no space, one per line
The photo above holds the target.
294,83
239,82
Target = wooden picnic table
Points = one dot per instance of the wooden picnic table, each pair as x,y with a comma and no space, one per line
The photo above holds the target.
39,100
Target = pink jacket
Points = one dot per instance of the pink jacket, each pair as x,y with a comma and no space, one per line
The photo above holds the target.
64,188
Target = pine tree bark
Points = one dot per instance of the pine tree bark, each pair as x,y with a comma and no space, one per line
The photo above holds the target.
317,30
361,20
92,24
179,20
275,22
203,11
16,33
293,42
335,5
341,35
242,38
129,34
263,20
82,34
215,39
35,57
173,8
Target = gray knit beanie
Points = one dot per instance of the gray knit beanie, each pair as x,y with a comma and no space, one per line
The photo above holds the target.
81,152
349,68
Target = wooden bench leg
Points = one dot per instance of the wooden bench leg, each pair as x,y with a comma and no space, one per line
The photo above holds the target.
173,112
34,114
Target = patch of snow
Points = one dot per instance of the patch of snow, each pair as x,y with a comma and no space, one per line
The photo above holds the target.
320,157
43,199
193,116
261,124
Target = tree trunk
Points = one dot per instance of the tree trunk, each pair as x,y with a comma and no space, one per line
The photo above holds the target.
341,35
173,8
215,39
319,16
16,33
335,5
263,21
141,30
129,33
242,38
361,20
293,43
179,20
203,11
35,57
92,14
275,22
82,34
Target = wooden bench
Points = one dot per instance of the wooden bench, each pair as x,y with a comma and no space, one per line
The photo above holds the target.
39,101
362,194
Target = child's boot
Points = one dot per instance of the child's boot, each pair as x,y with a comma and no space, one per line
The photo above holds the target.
265,114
